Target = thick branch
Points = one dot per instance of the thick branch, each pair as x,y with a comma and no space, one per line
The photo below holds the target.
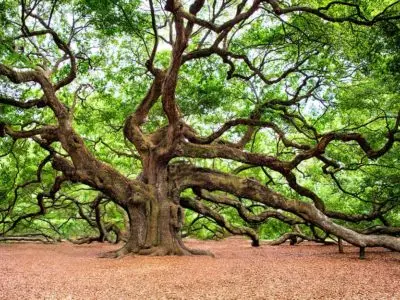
19,76
21,104
190,177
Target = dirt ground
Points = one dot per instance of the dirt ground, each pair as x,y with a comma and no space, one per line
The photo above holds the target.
238,271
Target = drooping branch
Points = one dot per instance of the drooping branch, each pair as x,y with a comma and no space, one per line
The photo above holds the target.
204,210
96,222
244,212
187,176
296,237
36,180
40,202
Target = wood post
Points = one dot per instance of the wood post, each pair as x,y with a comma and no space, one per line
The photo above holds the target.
362,252
340,244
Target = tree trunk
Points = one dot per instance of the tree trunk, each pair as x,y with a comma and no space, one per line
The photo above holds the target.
154,226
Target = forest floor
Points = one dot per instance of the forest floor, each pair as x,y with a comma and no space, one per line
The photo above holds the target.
238,271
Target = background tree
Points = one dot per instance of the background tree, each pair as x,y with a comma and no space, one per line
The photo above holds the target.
239,111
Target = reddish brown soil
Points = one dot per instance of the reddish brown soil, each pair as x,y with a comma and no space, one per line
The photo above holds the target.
65,271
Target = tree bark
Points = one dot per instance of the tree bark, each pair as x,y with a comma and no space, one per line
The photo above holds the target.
154,226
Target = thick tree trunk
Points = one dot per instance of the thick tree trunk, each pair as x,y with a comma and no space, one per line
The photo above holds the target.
154,226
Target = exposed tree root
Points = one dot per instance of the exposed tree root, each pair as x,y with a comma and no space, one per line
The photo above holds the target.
157,251
120,253
196,251
201,252
178,250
